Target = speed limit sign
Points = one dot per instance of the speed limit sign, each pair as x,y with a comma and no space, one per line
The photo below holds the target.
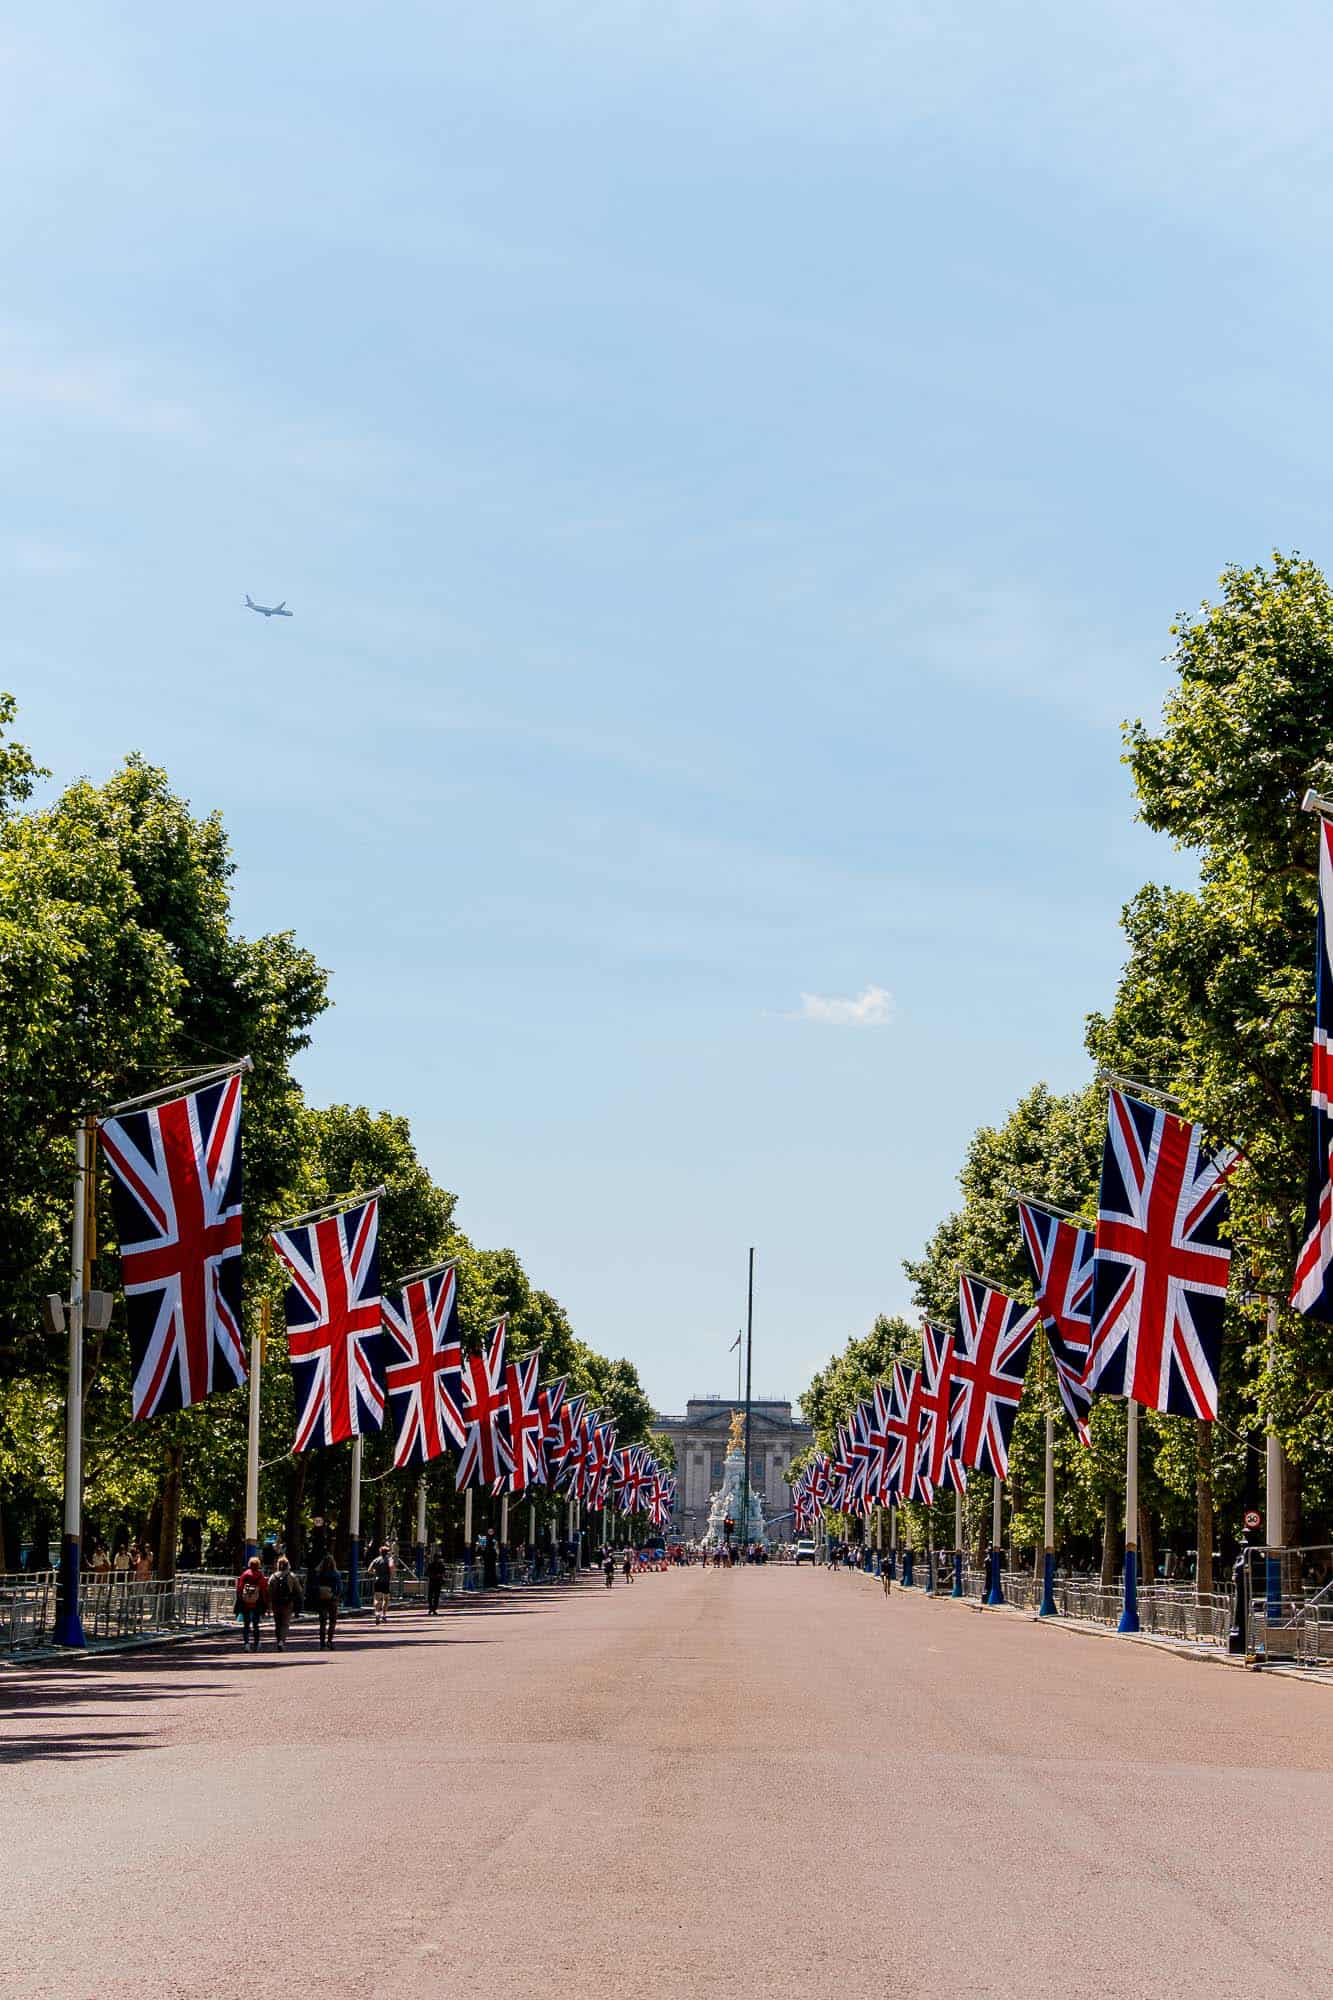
1253,1520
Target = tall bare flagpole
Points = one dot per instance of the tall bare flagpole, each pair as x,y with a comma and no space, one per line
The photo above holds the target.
749,1356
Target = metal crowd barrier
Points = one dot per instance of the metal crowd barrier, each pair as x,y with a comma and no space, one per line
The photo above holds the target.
1289,1605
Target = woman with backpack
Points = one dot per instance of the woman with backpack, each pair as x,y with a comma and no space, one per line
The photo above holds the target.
284,1596
323,1590
251,1601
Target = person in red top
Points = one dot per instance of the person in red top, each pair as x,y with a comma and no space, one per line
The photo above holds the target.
251,1600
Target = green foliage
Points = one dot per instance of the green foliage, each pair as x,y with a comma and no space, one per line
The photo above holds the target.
120,969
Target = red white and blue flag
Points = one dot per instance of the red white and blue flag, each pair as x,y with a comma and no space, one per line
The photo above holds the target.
1312,1285
1160,1267
597,1465
550,1404
1060,1254
940,1468
484,1406
335,1334
176,1197
995,1338
911,1414
424,1372
523,1423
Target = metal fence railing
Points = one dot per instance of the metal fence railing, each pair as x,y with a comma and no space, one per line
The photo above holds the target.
1289,1605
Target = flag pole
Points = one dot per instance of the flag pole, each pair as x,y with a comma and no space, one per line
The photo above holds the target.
957,1590
68,1625
1129,1617
354,1531
749,1357
995,1594
420,1563
1048,1605
257,1346
1272,1481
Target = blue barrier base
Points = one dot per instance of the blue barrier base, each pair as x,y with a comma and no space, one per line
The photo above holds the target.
957,1590
68,1628
1048,1606
930,1573
995,1594
1129,1617
909,1566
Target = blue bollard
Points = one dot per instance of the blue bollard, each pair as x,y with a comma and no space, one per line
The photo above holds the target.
909,1565
68,1628
1129,1617
1048,1605
957,1590
930,1573
995,1594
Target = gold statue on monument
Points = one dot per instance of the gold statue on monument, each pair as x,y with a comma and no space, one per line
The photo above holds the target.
736,1440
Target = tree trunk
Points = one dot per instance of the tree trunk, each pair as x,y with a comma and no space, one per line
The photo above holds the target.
1110,1539
294,1534
1203,1506
171,1512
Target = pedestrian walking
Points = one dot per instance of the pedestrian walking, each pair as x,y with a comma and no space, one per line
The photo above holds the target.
629,1566
609,1566
251,1601
284,1596
490,1562
324,1589
381,1583
435,1573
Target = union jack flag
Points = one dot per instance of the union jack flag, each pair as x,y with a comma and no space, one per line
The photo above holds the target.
939,1466
861,1456
485,1456
1312,1285
527,1449
574,1456
176,1197
550,1404
424,1376
1060,1254
597,1470
632,1469
334,1318
1160,1267
884,1475
909,1424
995,1339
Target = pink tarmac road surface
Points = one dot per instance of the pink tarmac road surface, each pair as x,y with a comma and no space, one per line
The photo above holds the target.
751,1785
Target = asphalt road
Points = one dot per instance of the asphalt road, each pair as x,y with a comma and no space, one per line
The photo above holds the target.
762,1783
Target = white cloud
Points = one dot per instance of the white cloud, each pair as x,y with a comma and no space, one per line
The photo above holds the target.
872,1008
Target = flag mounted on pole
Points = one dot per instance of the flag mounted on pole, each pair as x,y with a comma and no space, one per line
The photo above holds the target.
485,1410
523,1423
989,1364
1060,1253
1312,1285
335,1320
1160,1267
176,1198
942,1470
424,1375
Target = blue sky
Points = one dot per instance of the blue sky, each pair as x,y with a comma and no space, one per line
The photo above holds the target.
732,466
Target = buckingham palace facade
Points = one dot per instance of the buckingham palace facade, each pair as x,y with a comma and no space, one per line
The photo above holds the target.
700,1439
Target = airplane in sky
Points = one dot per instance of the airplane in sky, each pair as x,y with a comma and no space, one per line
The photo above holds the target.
267,610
